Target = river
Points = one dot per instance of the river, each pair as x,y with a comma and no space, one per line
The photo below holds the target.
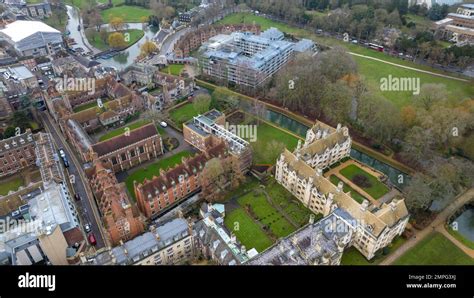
124,58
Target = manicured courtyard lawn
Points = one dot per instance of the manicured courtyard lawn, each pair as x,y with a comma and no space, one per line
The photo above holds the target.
130,14
266,214
97,42
298,213
352,256
183,113
85,106
435,250
246,230
377,188
122,130
153,170
174,69
265,134
11,183
371,70
354,194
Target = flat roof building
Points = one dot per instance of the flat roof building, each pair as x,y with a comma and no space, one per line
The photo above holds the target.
32,38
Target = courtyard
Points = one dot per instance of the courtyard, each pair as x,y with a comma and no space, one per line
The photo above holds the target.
261,215
153,169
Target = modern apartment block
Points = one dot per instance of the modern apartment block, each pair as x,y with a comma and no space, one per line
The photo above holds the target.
374,227
203,130
247,59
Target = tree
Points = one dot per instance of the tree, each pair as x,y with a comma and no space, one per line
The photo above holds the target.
408,114
202,103
148,48
9,132
117,23
103,34
430,94
418,193
212,180
116,40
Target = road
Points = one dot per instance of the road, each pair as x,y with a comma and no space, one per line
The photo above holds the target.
87,206
440,220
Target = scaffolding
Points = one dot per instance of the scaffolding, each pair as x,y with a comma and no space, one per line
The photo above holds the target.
237,145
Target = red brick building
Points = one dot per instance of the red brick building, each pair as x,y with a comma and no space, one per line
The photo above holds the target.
17,153
173,185
128,150
121,219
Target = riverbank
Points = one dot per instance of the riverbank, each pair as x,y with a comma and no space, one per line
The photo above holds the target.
309,123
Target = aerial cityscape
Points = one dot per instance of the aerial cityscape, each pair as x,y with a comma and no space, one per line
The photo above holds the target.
236,132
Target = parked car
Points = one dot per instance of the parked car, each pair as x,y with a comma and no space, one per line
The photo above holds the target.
77,197
91,239
62,153
163,124
65,162
87,228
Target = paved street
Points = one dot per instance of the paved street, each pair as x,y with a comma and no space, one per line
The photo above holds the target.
87,206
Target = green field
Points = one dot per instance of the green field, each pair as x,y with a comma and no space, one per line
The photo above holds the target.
266,214
173,69
377,190
130,14
122,130
286,201
97,42
86,106
354,194
183,113
265,134
8,184
352,256
246,230
435,250
372,70
114,2
153,170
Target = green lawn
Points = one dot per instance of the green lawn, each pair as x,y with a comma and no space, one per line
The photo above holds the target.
114,2
173,69
265,134
183,113
435,250
153,170
130,14
354,194
460,237
9,184
122,130
352,256
84,107
246,230
377,190
285,200
97,42
372,70
81,4
266,214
